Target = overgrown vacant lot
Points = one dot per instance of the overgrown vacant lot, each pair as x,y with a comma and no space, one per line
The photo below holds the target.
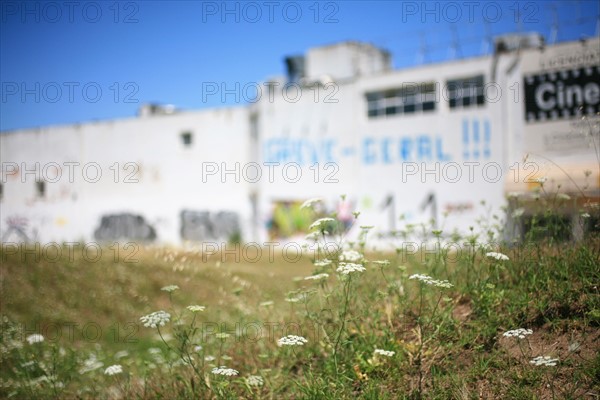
435,325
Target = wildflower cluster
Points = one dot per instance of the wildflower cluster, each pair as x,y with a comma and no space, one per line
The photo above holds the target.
222,370
196,308
351,256
313,236
113,370
544,361
310,203
347,268
292,340
255,380
321,223
170,288
386,353
35,338
383,263
322,263
520,333
497,256
317,277
90,364
430,281
157,318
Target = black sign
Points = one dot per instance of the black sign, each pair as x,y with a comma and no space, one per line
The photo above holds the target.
562,94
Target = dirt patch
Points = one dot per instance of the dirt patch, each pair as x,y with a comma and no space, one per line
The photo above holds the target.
575,350
575,344
462,311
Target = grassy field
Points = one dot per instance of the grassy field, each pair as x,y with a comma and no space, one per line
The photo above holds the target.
405,325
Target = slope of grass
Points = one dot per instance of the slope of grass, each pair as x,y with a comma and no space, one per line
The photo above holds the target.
440,340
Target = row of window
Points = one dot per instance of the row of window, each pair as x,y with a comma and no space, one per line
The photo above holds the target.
416,98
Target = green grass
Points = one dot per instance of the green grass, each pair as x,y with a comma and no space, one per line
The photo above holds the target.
447,342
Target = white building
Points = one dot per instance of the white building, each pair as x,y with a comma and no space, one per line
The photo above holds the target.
427,142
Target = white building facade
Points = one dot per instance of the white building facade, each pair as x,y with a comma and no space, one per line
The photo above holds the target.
428,143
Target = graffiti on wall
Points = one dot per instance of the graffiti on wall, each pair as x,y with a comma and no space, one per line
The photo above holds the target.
381,149
19,230
206,225
124,226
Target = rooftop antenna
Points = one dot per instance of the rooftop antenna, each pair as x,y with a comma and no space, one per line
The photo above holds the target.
455,46
554,26
422,55
579,20
487,40
519,21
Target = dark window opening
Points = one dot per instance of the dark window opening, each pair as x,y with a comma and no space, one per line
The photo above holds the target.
467,92
40,188
186,139
410,98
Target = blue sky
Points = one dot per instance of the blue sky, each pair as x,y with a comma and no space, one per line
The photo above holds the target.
63,63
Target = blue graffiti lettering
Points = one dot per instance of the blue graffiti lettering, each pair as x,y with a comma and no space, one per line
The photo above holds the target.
301,151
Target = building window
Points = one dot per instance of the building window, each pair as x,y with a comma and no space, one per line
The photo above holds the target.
40,189
186,139
465,93
410,98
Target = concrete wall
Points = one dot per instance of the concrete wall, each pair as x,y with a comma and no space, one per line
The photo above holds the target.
303,142
145,169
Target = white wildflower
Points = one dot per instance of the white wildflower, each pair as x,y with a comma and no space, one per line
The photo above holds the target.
430,281
520,333
197,348
385,352
35,338
292,340
209,358
351,256
170,288
195,308
322,263
313,236
317,277
540,180
383,263
517,213
113,370
585,215
497,256
266,303
320,223
157,318
297,298
91,364
544,360
222,370
347,268
121,354
310,203
563,196
255,380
